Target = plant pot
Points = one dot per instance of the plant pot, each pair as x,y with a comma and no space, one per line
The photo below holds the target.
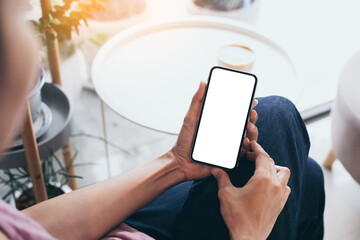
74,73
35,96
25,199
35,100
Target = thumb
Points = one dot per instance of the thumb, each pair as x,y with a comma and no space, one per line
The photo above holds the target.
222,177
192,115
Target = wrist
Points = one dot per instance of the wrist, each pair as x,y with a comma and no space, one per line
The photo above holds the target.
241,235
171,167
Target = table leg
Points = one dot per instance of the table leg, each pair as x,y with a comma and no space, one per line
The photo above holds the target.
33,157
69,164
329,160
106,139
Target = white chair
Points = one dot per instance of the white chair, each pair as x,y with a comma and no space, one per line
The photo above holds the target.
345,120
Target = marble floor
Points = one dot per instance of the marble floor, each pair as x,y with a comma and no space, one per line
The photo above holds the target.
132,145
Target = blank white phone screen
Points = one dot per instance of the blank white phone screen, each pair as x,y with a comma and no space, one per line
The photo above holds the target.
224,117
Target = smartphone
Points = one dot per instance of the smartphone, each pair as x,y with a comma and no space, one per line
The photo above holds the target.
223,119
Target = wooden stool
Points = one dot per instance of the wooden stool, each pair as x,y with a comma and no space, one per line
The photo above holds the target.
33,158
54,64
329,160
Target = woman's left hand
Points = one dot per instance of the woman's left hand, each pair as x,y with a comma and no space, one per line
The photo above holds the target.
181,151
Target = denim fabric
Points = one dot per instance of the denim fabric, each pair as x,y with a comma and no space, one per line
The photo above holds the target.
191,210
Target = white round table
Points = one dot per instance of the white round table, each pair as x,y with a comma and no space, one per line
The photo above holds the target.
149,73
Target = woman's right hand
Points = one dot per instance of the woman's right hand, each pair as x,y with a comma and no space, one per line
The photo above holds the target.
250,212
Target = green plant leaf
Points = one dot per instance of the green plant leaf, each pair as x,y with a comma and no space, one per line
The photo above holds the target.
70,175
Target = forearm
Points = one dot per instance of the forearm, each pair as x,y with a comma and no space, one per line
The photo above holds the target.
90,212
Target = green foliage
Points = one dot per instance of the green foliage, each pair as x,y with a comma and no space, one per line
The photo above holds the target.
54,171
68,17
99,39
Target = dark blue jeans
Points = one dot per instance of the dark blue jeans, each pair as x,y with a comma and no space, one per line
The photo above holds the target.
191,210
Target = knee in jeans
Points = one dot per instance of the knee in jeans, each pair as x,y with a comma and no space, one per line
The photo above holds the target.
281,108
282,113
315,179
316,174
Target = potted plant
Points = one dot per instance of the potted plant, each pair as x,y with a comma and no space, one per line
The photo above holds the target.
20,193
60,24
18,185
56,24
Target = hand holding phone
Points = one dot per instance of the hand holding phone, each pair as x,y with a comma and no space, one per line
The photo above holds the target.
223,118
181,151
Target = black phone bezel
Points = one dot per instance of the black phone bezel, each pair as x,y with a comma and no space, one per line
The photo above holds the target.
200,116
